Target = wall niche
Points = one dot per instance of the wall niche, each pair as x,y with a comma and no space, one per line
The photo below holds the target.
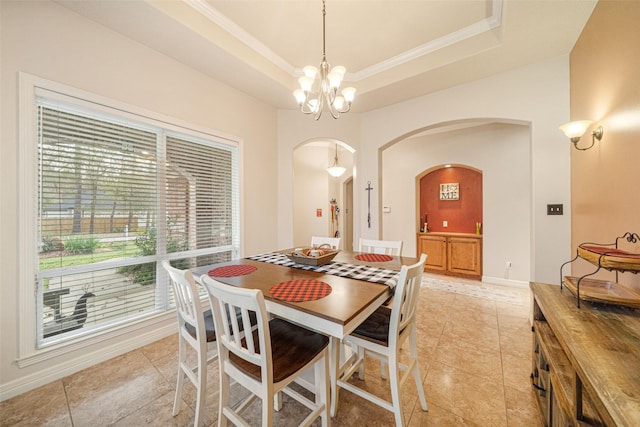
461,209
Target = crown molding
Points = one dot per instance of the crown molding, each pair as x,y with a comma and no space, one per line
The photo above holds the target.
236,31
487,24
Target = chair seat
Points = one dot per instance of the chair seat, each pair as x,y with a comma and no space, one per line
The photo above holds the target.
292,347
376,327
209,326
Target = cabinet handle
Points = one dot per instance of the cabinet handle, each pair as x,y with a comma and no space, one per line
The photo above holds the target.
536,386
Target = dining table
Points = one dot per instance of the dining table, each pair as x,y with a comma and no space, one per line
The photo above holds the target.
332,299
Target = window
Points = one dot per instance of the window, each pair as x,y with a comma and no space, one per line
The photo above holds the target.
117,193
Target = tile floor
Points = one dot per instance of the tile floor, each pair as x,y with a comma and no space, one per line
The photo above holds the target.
474,357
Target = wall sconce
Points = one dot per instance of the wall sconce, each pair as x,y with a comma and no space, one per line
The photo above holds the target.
575,130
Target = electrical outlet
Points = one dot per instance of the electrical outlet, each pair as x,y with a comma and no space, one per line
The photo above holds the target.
508,264
554,209
445,223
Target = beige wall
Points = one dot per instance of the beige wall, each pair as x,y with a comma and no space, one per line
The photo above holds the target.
45,39
605,88
535,96
501,152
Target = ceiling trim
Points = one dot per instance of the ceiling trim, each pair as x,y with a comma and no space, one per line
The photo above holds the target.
482,26
239,33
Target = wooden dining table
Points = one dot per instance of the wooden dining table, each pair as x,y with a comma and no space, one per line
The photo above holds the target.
336,315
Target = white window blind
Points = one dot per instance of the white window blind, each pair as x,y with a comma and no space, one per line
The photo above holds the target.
115,197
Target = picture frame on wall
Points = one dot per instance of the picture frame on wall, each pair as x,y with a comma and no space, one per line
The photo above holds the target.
450,191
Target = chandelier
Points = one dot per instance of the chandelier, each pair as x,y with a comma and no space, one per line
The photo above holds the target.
317,93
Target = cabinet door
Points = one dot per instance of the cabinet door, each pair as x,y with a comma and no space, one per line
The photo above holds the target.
436,249
464,255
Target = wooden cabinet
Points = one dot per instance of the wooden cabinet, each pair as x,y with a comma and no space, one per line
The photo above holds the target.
452,253
586,361
436,249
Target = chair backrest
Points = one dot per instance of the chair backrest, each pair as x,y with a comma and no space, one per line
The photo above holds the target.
405,300
388,247
334,242
188,305
248,302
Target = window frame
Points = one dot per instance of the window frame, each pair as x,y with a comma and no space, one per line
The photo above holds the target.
31,88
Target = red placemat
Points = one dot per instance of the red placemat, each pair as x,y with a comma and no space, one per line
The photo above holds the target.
232,270
374,257
300,290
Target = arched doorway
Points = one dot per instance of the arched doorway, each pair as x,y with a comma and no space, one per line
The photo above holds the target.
319,199
502,151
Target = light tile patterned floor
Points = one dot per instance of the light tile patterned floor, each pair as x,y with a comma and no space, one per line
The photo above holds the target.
475,359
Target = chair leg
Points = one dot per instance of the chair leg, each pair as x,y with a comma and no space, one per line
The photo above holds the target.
322,387
223,397
267,405
182,355
394,383
201,389
416,372
361,357
334,372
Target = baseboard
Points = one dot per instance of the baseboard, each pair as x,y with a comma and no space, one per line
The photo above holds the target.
505,282
58,371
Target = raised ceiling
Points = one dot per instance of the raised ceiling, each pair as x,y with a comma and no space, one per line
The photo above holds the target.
393,50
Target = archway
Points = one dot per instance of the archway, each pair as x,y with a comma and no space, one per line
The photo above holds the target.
318,198
501,149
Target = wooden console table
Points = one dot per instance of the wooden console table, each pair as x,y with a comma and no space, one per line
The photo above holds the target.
586,361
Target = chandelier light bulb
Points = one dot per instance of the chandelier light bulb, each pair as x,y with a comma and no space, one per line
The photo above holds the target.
339,69
310,71
305,83
349,93
300,96
334,80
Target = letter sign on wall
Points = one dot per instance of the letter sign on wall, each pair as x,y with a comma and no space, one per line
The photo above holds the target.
450,191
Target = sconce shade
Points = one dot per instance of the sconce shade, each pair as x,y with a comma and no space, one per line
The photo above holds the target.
575,129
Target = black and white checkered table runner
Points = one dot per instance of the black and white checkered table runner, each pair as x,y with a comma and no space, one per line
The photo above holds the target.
342,269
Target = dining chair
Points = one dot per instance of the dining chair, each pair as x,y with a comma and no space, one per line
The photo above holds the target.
388,247
381,336
334,242
195,328
267,361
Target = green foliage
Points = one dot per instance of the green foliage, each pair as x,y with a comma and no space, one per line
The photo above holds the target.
145,273
147,242
81,245
51,244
